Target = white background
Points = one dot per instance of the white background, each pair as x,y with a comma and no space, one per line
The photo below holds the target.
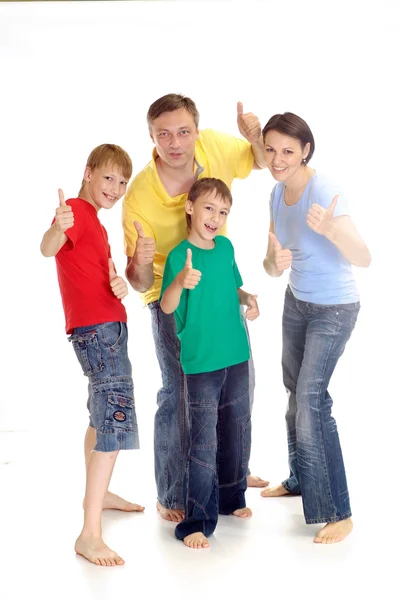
78,74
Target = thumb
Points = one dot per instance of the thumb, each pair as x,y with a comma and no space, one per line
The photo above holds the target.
111,269
239,109
274,241
139,229
188,262
61,197
252,299
332,206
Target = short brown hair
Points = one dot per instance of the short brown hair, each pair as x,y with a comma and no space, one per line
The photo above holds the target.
109,154
205,186
293,126
169,103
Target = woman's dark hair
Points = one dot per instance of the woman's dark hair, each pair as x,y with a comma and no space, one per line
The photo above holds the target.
293,126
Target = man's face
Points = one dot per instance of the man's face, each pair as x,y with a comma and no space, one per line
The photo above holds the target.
174,135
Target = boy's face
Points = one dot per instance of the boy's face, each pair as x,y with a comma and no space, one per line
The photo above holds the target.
104,186
174,135
208,214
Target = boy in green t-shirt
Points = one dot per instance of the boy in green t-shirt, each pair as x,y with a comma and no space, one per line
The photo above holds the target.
214,356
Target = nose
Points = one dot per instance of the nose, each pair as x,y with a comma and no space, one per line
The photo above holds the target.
174,143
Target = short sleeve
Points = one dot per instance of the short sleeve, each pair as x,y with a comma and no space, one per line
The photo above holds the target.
325,193
237,152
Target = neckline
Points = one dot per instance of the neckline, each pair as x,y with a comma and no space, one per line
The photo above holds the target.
302,193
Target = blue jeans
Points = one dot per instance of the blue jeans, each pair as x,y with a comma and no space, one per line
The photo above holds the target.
102,351
314,338
171,441
220,438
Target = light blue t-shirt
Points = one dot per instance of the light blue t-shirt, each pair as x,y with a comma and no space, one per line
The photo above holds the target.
319,272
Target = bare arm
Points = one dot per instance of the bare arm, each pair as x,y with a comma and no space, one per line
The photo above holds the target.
139,268
141,277
277,258
348,241
341,232
250,128
55,238
171,297
187,279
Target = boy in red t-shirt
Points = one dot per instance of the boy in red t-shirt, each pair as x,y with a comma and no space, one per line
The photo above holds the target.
95,317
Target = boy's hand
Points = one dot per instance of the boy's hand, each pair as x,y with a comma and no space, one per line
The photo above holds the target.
280,258
64,215
145,247
252,311
188,278
118,285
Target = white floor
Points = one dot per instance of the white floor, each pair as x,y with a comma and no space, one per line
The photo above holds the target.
271,553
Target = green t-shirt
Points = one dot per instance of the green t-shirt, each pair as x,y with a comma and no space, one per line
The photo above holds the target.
208,320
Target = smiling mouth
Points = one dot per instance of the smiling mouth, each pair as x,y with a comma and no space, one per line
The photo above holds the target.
110,198
211,228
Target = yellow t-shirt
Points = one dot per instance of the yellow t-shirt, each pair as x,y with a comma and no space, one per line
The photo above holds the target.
163,217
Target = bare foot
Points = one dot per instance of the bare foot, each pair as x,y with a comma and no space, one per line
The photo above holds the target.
196,540
243,513
274,491
95,551
112,501
170,514
257,482
334,532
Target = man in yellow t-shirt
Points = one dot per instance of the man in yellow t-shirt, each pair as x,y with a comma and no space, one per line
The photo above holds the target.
154,221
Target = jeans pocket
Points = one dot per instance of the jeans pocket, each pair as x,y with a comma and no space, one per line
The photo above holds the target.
112,334
88,352
120,411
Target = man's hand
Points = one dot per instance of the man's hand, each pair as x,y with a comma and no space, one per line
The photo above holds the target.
145,247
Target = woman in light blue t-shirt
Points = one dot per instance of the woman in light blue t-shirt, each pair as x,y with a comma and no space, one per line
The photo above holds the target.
312,235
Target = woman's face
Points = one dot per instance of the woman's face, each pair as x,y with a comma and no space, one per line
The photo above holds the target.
284,154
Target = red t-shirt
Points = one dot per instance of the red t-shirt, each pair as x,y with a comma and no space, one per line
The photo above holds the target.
82,268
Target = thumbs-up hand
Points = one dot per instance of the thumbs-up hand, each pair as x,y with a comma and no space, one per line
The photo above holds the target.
320,219
145,247
248,124
281,258
118,285
64,216
252,311
188,278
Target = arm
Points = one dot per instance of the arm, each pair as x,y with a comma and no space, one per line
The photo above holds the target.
187,279
277,259
341,232
139,268
250,128
171,297
55,238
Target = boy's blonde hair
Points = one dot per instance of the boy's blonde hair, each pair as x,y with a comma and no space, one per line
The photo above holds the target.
109,154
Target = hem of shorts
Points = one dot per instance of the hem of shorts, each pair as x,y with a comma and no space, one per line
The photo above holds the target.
112,442
328,519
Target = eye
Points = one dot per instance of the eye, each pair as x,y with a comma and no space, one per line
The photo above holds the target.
269,150
163,134
208,207
108,177
224,213
288,151
185,131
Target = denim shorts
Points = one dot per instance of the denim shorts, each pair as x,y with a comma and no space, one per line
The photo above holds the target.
102,351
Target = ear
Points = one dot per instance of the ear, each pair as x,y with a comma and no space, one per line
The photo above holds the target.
306,150
189,207
87,174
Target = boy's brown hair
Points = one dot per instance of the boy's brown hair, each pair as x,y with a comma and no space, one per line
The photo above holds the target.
112,155
205,186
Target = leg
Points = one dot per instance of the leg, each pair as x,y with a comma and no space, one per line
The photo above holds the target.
170,425
90,543
319,457
252,480
294,327
201,481
234,441
111,501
